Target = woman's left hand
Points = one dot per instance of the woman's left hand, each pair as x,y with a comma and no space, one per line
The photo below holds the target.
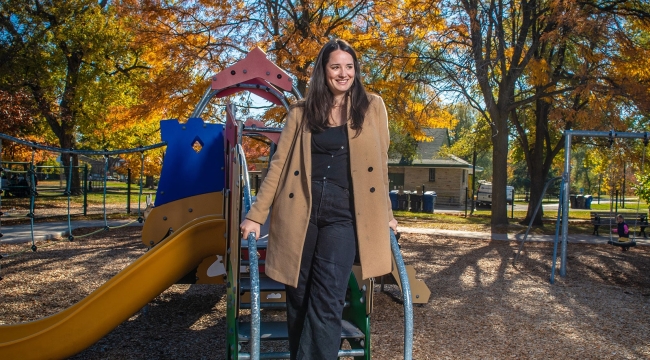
393,225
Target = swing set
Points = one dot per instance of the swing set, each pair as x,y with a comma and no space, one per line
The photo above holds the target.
625,242
562,222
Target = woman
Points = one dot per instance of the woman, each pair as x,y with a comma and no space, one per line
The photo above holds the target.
328,188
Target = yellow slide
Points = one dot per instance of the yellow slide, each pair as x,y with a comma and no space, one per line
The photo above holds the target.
74,329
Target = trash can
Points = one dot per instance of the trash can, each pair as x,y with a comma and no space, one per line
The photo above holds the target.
429,201
416,202
588,200
580,202
572,198
393,199
403,201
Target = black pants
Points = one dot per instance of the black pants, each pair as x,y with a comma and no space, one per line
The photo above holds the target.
315,307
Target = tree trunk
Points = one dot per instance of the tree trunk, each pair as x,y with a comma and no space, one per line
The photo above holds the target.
539,159
535,161
148,182
537,177
500,174
67,142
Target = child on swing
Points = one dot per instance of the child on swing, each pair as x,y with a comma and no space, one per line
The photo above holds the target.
623,231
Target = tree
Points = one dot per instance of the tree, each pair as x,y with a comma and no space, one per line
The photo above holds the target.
530,67
73,58
217,34
573,85
482,54
470,137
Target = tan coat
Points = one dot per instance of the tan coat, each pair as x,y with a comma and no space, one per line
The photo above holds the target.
287,187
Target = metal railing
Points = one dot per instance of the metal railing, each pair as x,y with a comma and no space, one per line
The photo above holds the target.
406,296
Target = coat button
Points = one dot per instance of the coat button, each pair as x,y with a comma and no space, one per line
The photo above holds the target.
372,189
291,195
370,169
296,172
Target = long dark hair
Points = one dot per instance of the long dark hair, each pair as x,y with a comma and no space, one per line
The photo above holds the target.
319,100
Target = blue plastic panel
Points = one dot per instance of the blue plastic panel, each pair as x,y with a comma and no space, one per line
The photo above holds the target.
187,172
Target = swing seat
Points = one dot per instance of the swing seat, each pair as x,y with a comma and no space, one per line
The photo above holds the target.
629,243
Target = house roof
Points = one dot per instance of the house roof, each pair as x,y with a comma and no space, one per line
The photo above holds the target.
427,153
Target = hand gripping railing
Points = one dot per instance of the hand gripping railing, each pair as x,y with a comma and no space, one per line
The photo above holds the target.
406,296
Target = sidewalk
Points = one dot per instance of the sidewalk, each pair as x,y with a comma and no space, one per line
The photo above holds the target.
572,238
16,234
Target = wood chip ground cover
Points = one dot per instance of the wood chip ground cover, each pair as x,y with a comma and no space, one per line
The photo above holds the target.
481,306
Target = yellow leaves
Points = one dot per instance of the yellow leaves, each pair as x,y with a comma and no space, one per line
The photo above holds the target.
538,71
275,115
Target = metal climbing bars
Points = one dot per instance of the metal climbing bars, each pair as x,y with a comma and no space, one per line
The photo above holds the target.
30,178
80,152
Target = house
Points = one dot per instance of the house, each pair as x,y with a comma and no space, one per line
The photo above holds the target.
448,176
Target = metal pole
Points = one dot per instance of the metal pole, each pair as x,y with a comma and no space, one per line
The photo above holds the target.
473,179
68,192
565,201
140,218
83,152
557,236
32,191
105,178
255,297
466,198
85,189
628,135
128,191
406,296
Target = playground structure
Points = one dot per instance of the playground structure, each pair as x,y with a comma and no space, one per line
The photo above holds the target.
27,187
193,233
562,222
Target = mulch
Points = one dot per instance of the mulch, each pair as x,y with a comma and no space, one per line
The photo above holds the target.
481,306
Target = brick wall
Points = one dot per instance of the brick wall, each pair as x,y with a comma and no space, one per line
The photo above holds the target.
449,185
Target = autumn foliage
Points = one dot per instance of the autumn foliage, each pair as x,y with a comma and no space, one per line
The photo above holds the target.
100,74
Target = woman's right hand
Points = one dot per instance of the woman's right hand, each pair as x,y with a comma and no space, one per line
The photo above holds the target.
249,226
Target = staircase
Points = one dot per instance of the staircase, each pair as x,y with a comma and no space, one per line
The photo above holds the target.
272,301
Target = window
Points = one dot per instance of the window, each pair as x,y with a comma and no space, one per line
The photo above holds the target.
432,175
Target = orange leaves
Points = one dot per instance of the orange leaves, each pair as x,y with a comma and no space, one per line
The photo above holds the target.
256,151
539,72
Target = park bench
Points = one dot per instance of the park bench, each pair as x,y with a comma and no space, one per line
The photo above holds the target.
639,220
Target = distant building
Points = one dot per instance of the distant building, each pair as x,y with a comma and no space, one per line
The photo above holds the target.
447,176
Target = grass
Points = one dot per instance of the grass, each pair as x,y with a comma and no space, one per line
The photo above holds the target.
51,196
51,203
579,219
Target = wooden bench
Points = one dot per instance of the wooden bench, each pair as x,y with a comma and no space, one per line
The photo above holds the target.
639,220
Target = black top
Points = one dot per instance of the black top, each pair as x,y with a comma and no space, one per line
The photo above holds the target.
621,230
330,156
